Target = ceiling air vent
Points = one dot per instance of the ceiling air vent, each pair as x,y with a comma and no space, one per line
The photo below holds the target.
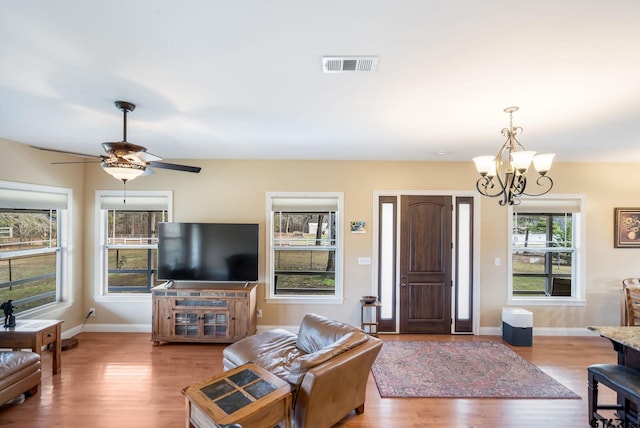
345,64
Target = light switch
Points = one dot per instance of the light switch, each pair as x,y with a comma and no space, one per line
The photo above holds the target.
497,261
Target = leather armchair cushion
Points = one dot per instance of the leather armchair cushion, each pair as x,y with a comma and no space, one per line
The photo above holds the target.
317,332
273,350
303,363
19,373
12,362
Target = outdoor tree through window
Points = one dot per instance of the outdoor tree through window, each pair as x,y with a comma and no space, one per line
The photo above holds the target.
304,253
132,242
542,254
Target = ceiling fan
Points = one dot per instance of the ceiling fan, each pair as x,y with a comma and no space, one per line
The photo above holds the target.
124,160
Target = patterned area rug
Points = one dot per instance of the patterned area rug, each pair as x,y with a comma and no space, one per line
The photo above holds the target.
482,369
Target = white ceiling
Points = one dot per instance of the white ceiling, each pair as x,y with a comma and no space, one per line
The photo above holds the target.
243,79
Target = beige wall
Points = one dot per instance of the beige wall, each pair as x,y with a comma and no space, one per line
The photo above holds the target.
230,190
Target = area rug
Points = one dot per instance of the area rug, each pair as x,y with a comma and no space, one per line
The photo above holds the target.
482,369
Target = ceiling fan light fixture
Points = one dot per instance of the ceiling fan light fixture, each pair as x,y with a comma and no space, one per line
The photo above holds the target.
124,171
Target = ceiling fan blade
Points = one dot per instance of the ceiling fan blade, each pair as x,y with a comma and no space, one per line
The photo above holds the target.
122,147
66,152
174,166
142,157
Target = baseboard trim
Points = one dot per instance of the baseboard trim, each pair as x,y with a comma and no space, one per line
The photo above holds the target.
117,328
543,331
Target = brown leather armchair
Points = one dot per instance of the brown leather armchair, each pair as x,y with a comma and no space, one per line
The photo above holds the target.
327,365
19,373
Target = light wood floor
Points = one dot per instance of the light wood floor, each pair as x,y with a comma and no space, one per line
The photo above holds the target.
122,380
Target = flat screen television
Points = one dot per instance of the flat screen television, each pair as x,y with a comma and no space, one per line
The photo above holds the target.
212,252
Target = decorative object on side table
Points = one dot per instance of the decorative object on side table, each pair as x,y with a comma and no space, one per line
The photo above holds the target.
626,224
9,318
369,299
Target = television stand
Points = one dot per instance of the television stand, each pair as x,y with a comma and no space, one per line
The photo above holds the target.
203,312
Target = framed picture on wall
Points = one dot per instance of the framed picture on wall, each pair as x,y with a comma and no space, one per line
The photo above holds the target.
626,224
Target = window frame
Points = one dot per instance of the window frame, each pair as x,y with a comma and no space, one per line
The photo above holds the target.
101,293
41,197
555,204
338,296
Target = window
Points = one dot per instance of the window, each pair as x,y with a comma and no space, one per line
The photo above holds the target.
129,241
546,259
33,224
305,250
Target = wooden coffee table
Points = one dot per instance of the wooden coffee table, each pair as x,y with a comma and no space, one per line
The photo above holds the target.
247,395
34,334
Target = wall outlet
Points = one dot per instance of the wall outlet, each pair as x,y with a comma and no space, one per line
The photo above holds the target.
92,312
259,313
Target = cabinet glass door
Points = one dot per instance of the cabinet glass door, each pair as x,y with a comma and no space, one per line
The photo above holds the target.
216,324
186,323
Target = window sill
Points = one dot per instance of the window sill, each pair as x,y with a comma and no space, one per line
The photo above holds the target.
123,298
44,311
301,300
547,301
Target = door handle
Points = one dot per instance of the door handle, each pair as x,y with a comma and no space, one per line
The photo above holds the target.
403,284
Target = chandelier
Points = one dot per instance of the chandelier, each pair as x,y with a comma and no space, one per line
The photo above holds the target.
504,176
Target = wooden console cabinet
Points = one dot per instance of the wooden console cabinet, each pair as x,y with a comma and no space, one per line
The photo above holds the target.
204,313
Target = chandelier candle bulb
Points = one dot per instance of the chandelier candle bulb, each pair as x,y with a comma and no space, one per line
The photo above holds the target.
504,176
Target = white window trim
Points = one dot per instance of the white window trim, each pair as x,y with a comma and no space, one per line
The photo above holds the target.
64,290
100,274
338,298
578,270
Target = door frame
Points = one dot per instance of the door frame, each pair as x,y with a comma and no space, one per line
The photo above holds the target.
476,254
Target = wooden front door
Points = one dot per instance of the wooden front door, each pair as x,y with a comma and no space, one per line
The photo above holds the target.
425,264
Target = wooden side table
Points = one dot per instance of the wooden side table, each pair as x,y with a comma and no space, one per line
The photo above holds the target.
34,334
247,395
370,326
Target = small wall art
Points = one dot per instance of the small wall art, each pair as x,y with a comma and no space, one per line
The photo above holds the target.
358,227
626,223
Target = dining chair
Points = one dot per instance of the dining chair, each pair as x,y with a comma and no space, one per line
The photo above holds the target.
634,282
632,298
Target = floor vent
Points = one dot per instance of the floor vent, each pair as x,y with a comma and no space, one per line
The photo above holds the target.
346,64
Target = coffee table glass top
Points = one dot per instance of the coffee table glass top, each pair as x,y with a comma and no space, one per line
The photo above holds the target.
237,391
